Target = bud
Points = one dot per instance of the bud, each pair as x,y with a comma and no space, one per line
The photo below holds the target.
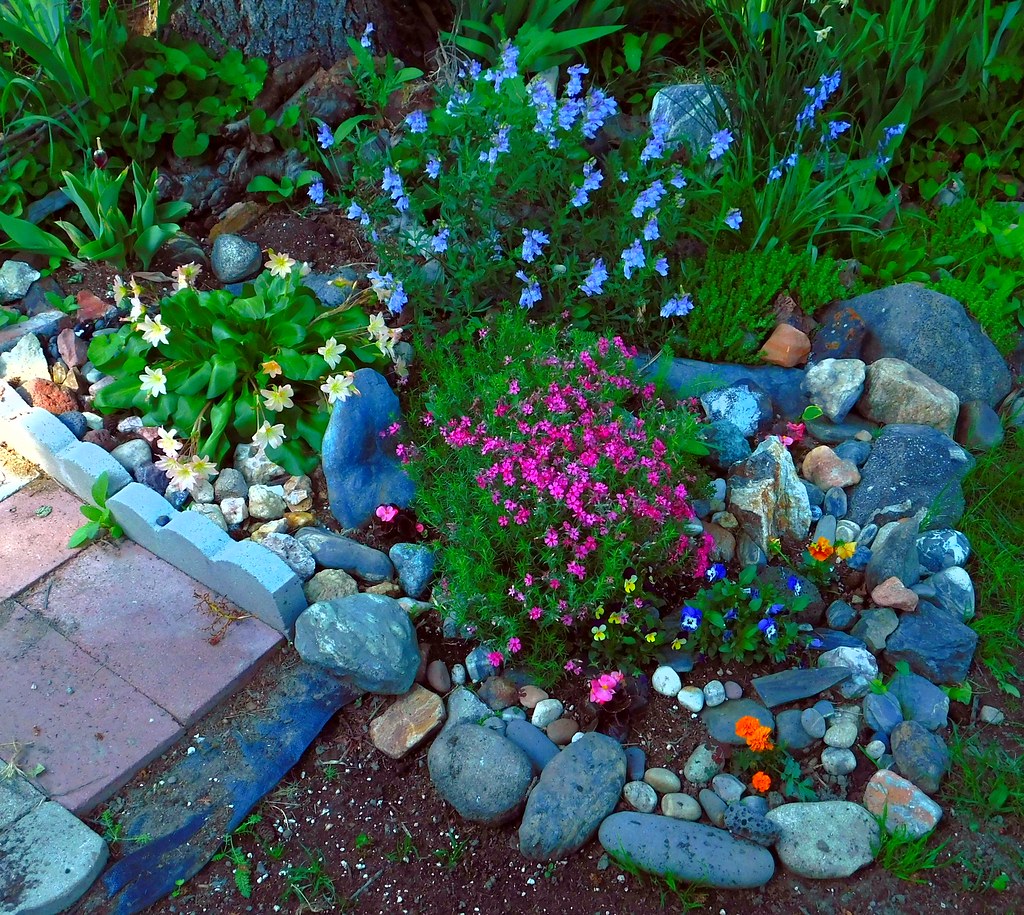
99,155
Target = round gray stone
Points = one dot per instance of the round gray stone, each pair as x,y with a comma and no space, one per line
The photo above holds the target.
824,840
235,259
640,796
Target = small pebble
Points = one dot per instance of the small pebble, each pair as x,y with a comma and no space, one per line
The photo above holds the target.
692,698
874,749
681,807
529,696
640,796
714,693
813,723
545,712
562,731
989,714
838,761
728,787
842,734
666,682
664,781
458,674
733,690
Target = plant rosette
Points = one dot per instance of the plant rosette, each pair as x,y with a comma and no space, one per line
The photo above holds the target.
264,366
737,621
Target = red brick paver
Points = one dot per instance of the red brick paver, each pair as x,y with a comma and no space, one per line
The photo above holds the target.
33,541
150,624
62,709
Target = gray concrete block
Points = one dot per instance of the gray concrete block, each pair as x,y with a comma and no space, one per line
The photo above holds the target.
143,513
11,402
79,466
39,437
190,542
17,797
50,859
261,583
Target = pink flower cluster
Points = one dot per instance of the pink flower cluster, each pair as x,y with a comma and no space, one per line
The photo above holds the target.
603,688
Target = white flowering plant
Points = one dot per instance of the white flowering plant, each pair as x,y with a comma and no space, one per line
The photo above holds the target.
264,366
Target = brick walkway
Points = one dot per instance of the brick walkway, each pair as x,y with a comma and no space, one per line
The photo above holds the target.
107,652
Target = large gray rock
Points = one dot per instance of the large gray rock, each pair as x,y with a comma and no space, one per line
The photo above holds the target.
797,683
911,468
933,333
824,840
693,112
686,851
366,638
48,859
935,643
479,772
920,700
24,362
860,664
415,565
896,392
235,259
360,466
940,549
835,385
576,791
743,404
894,553
919,755
767,496
15,279
951,589
333,551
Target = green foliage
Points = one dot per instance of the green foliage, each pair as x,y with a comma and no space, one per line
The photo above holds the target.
283,190
311,884
99,518
986,779
743,620
113,831
451,855
549,33
994,491
111,234
70,73
904,856
537,563
218,357
9,316
405,850
736,292
683,897
376,83
240,862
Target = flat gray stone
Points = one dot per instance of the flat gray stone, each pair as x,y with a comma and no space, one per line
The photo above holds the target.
824,840
49,859
935,643
793,685
686,851
791,732
721,720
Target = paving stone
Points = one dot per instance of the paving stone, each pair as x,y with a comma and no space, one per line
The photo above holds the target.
172,621
32,545
50,859
17,797
60,729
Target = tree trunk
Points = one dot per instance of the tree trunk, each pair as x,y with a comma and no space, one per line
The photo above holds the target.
279,30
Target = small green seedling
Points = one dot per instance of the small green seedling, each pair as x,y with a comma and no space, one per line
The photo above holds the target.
451,856
100,518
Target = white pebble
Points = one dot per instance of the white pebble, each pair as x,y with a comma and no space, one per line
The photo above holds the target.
666,681
692,698
714,693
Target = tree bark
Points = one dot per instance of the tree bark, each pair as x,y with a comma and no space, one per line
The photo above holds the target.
279,30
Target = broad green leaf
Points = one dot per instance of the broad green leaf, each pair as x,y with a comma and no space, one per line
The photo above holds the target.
100,488
222,377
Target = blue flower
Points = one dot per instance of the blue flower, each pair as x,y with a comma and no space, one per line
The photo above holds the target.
458,98
793,583
775,173
592,179
417,121
716,572
882,159
402,203
440,241
594,283
367,32
316,192
533,243
648,199
678,307
661,266
570,112
543,100
791,160
531,291
720,143
325,137
575,85
392,183
633,258
734,218
769,630
655,147
651,230
727,635
433,167
600,107
508,69
397,300
827,85
677,180
732,614
815,643
837,128
500,145
355,211
690,618
775,609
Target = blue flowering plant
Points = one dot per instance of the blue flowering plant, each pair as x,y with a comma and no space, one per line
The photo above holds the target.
742,620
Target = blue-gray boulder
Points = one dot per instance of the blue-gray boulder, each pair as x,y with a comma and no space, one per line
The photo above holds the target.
235,259
911,468
366,639
576,791
482,774
920,700
934,334
743,404
360,466
538,747
919,755
935,643
333,551
727,443
686,851
940,549
415,565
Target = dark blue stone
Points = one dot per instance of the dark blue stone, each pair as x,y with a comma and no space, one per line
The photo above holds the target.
538,747
835,503
882,712
854,451
76,422
152,476
831,638
860,558
727,443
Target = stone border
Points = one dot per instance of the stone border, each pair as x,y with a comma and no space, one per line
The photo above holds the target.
246,573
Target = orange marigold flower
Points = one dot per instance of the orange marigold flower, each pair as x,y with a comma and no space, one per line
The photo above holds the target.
759,741
845,550
821,549
747,725
761,782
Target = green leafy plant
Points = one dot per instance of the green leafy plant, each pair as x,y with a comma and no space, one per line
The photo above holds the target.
111,234
905,856
226,368
100,519
529,548
683,897
363,841
405,850
113,831
451,855
378,82
236,856
310,883
283,190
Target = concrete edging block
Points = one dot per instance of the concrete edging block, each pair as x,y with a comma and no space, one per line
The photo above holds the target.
262,583
80,466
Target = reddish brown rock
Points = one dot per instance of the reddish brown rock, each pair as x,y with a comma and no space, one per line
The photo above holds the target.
438,676
102,438
724,549
562,730
387,588
73,349
529,696
787,346
90,306
902,802
408,722
50,397
893,593
825,469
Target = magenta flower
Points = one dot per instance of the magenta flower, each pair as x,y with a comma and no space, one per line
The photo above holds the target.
387,513
496,658
514,645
